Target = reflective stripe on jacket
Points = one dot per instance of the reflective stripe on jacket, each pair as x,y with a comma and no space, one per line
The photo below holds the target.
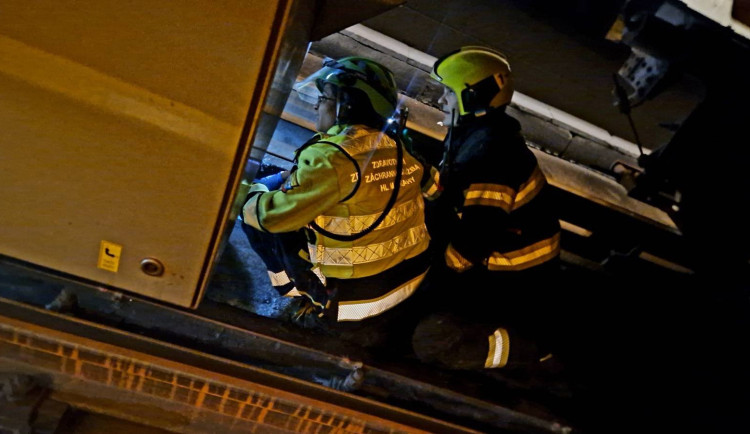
499,349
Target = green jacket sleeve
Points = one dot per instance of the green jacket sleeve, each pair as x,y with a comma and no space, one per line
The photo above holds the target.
310,190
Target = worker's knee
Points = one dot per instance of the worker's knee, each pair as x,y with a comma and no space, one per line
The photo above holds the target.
458,342
433,336
445,340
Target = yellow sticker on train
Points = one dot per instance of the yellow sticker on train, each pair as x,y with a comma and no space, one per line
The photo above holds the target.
109,256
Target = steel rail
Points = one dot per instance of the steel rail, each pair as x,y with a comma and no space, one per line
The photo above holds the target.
216,346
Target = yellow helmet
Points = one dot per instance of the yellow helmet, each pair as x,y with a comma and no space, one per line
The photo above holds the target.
479,76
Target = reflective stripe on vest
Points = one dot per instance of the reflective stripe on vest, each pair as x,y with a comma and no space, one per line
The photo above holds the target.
282,283
354,224
358,146
360,309
370,253
403,234
497,356
278,279
455,260
520,259
502,196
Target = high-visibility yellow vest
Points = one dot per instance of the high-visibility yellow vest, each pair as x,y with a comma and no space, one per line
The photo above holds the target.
343,182
401,235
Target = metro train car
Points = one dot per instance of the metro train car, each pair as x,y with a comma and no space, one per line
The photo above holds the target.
130,297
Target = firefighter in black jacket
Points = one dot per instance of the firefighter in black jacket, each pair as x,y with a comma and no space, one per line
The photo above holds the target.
501,234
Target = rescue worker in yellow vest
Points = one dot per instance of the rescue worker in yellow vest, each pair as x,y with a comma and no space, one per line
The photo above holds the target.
358,196
502,233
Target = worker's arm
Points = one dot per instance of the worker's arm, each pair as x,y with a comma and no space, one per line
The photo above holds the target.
481,185
430,182
478,229
309,191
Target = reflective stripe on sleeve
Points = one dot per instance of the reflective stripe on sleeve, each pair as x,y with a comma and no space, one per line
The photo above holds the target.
455,260
278,279
321,277
497,356
250,212
431,190
529,189
360,309
432,187
293,293
530,256
282,283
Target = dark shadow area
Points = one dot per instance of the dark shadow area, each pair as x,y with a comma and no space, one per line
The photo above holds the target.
622,350
82,422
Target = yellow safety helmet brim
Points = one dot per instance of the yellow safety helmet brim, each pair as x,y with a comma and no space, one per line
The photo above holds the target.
462,70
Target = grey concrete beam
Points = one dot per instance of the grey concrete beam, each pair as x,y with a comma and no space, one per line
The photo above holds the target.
542,125
590,176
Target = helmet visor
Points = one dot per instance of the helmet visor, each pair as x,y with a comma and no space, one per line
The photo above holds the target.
308,89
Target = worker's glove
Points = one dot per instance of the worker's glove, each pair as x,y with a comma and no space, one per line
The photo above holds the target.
311,314
273,182
316,306
315,291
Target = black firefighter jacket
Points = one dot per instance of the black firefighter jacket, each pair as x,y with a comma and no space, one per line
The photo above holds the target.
506,221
